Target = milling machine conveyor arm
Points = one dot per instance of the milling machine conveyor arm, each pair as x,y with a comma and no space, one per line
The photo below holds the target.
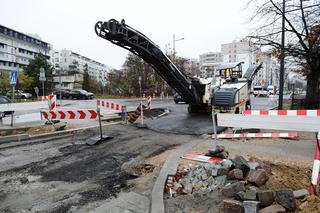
126,37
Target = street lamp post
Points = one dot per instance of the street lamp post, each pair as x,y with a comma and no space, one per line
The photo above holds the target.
280,106
42,78
174,40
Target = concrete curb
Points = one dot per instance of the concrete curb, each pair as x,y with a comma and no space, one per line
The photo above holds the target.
169,168
26,137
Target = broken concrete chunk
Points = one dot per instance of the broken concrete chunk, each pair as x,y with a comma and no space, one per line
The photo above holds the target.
239,196
266,198
235,174
227,164
251,206
303,205
232,189
273,209
232,206
286,199
241,163
258,177
301,193
177,186
254,165
250,195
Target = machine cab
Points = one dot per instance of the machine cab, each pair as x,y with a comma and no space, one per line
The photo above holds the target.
230,71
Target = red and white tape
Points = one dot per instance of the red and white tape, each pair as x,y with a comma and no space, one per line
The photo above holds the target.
303,113
149,102
259,135
202,158
43,98
110,105
70,114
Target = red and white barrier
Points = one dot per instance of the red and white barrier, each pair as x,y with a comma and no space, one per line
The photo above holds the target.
134,116
303,113
70,114
202,158
258,135
43,98
149,102
52,100
111,105
316,167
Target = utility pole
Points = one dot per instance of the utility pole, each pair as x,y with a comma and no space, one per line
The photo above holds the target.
280,106
174,40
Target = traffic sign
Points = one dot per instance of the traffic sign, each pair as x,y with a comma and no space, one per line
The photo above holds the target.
42,76
13,78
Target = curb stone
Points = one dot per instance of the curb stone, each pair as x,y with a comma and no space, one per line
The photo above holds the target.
169,167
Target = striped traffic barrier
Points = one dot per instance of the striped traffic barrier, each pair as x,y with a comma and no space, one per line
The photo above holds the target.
316,167
135,115
302,113
296,120
111,105
202,158
258,135
52,100
149,103
70,114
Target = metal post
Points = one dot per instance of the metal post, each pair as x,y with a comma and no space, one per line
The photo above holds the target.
292,97
13,89
100,127
12,118
60,86
214,128
280,106
42,88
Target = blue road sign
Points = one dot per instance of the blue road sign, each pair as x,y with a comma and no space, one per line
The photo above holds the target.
13,78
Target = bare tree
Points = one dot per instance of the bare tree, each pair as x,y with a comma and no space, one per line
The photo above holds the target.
302,30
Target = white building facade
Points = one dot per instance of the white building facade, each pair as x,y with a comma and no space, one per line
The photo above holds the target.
67,62
241,51
209,62
16,49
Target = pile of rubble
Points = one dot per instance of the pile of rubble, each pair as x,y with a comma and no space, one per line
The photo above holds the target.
240,183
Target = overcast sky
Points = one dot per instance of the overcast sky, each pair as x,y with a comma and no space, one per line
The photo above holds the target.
69,24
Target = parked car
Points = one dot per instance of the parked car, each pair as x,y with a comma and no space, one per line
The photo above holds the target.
19,94
177,98
79,94
65,94
5,101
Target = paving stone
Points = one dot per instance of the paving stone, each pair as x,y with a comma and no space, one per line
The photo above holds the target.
232,189
241,163
204,176
258,177
235,174
187,189
273,209
254,165
223,171
197,186
301,193
232,206
251,206
221,180
265,197
286,199
210,180
250,195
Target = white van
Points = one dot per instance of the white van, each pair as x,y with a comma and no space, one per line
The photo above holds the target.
271,90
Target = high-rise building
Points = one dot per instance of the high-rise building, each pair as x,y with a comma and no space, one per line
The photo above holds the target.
209,63
241,51
71,66
16,48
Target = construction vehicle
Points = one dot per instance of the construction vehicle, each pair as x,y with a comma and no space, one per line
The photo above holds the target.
195,91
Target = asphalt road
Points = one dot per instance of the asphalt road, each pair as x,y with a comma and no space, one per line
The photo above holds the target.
177,121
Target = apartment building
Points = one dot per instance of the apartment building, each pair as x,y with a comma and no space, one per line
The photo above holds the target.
72,65
209,62
16,48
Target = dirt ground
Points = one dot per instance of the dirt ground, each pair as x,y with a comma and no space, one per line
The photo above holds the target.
288,161
68,175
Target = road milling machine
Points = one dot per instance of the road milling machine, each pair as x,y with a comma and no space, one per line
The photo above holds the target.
225,92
